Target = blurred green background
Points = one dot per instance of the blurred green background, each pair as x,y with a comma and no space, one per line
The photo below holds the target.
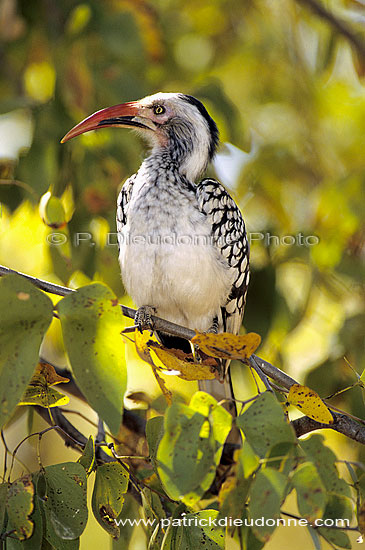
288,95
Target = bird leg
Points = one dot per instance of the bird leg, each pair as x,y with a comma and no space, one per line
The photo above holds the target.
195,348
214,328
143,318
197,354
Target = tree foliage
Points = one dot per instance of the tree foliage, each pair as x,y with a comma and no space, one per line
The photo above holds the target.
285,83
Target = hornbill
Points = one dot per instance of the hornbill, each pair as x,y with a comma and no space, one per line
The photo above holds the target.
183,248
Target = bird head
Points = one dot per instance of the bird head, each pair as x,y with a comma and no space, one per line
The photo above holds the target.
173,121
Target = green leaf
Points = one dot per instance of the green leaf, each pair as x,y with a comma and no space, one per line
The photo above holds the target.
91,323
130,511
173,534
265,425
324,460
248,459
335,536
25,313
154,434
111,484
234,491
193,531
152,507
186,454
311,493
35,540
351,472
87,459
338,507
19,506
219,418
65,500
206,534
288,456
51,540
247,538
266,495
54,541
152,512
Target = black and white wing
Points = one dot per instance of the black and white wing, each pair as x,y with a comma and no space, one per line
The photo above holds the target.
123,202
229,236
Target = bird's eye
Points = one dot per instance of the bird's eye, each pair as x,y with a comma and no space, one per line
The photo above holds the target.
159,109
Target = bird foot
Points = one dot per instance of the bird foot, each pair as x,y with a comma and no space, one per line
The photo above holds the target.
143,318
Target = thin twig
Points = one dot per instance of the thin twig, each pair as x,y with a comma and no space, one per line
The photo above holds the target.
21,184
255,365
7,451
137,482
339,26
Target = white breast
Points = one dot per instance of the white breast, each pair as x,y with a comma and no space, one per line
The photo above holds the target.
168,260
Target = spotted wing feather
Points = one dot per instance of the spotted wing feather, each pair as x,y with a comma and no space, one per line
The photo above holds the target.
123,202
229,236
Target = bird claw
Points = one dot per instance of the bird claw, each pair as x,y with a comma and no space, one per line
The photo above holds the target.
143,318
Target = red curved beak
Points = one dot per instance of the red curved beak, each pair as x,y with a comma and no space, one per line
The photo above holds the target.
119,115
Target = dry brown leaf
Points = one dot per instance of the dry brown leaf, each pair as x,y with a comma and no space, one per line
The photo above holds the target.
226,345
139,397
161,383
40,391
45,375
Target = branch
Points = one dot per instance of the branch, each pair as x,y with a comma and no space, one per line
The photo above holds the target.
159,324
69,430
338,25
342,423
70,434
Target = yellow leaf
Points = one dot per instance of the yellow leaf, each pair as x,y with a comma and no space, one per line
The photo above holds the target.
142,347
44,397
174,361
144,353
309,402
227,487
226,345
